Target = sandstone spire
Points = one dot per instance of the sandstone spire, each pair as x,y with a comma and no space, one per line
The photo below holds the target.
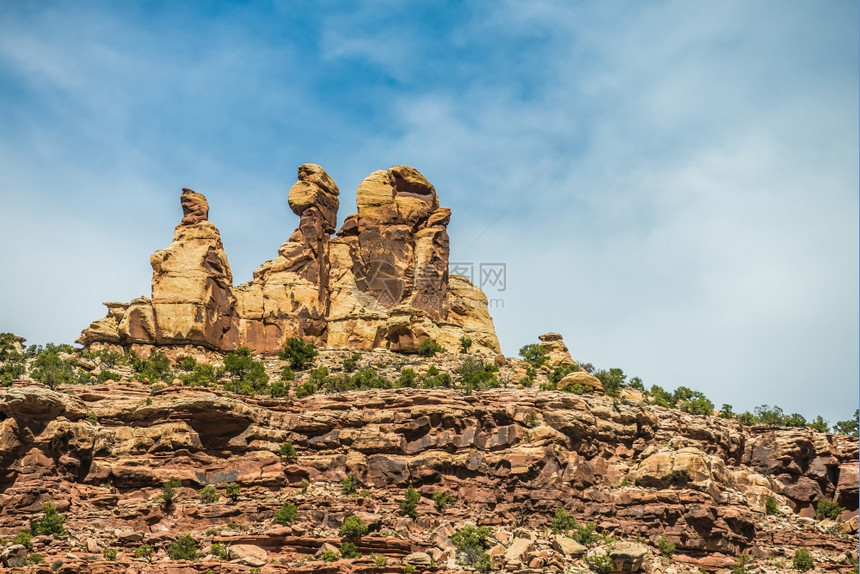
381,282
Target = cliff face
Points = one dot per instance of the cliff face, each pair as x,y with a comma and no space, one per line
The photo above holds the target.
509,459
382,281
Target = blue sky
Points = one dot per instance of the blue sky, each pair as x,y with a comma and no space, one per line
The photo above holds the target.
702,232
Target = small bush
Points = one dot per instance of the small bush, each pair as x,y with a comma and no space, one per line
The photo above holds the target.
232,491
288,451
218,551
209,495
586,535
350,364
600,563
476,376
349,550
183,548
408,569
379,561
410,502
298,353
802,560
56,564
667,548
741,563
770,506
471,541
349,484
533,354
353,527
36,559
168,490
429,348
849,427
248,375
406,379
828,509
532,420
110,554
287,514
24,538
465,344
51,522
433,379
329,555
144,551
442,500
562,522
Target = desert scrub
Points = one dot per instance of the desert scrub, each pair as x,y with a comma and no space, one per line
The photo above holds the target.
218,551
288,451
247,375
429,348
168,490
442,500
562,522
802,560
232,491
353,528
209,495
667,548
349,550
110,554
471,541
770,506
329,555
533,354
828,509
477,376
410,502
287,514
298,354
51,522
349,484
183,548
144,551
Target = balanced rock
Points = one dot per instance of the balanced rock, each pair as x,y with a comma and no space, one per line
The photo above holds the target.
382,281
557,354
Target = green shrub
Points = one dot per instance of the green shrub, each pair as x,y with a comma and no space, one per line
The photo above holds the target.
726,411
802,560
476,376
484,563
219,551
110,554
410,502
105,376
533,354
465,344
353,527
232,491
471,541
532,420
209,495
287,514
201,375
288,451
828,509
144,551
24,538
599,562
562,522
168,490
558,373
349,484
666,548
349,550
248,375
408,569
818,424
187,364
849,427
442,500
50,524
741,563
155,368
586,535
36,559
379,561
183,548
699,405
51,369
429,348
306,389
329,555
406,379
56,564
351,362
612,380
278,390
298,353
433,379
770,506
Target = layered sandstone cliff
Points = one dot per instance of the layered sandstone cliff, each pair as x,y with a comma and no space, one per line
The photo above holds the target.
381,281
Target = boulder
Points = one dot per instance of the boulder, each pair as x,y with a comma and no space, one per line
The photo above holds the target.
583,379
248,554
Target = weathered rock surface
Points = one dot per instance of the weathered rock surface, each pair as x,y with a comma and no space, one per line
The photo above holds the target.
381,282
634,469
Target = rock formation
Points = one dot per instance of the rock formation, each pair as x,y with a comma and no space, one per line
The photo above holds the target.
382,281
508,458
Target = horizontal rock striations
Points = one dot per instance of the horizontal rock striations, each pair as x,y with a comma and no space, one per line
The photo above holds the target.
381,281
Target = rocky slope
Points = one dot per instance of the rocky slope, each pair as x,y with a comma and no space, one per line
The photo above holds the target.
508,457
381,282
